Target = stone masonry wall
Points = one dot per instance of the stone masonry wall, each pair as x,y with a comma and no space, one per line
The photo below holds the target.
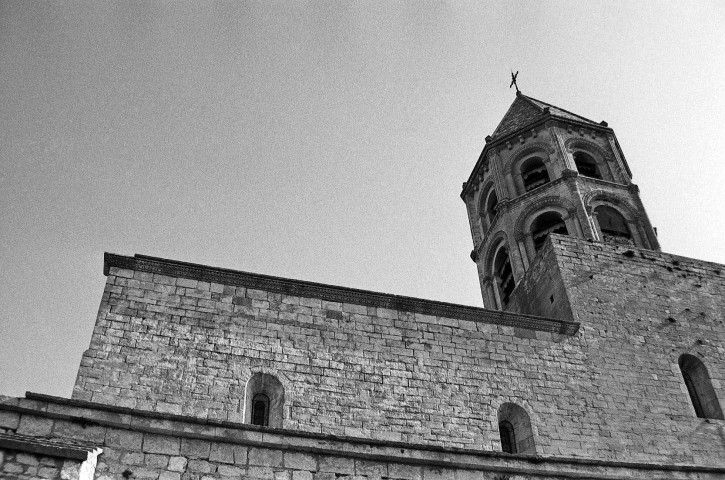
640,310
166,447
184,346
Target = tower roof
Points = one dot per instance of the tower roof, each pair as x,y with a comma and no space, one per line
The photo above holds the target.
525,110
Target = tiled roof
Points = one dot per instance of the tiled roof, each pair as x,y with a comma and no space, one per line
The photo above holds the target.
525,110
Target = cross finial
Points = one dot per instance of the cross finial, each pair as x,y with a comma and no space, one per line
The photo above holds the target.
513,81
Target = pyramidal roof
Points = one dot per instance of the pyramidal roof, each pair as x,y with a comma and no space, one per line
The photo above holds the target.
525,110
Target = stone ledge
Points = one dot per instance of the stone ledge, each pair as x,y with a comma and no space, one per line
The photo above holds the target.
43,446
90,414
333,293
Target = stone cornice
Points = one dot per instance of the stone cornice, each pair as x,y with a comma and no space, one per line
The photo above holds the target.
287,286
90,414
47,447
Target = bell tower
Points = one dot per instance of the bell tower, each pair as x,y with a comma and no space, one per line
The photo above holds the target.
546,170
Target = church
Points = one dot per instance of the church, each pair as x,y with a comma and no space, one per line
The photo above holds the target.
597,356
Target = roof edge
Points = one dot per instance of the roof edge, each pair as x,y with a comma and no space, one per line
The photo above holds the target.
333,293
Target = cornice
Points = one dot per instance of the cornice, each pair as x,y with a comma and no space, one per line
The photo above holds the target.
332,293
413,454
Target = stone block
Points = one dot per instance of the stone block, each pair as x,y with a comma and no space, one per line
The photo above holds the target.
265,457
230,471
337,464
177,464
27,459
300,461
403,471
9,420
200,466
260,473
153,443
301,475
35,426
125,439
193,448
169,476
222,452
79,431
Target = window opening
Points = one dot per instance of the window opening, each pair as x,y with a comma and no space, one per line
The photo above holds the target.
260,410
613,225
504,275
702,394
515,430
491,204
546,223
508,439
586,165
534,174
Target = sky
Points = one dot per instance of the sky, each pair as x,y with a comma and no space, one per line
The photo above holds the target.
322,141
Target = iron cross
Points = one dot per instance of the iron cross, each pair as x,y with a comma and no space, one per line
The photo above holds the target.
513,80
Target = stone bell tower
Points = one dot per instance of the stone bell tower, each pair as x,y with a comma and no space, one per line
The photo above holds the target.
546,170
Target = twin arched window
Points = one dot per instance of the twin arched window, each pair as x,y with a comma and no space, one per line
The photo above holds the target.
264,401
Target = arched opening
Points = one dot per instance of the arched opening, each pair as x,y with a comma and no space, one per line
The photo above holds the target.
613,226
490,206
508,439
546,223
702,394
534,173
260,410
503,275
586,165
264,401
515,430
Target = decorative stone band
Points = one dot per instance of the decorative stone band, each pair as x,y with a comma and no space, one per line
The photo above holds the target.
47,447
331,293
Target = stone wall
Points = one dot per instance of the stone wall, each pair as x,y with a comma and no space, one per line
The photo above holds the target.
640,310
175,339
139,445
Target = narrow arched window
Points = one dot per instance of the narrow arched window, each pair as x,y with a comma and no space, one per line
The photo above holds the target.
546,223
613,226
260,410
515,430
264,401
503,274
702,394
491,203
508,438
586,165
534,173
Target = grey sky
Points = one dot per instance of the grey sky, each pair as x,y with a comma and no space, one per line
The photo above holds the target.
324,141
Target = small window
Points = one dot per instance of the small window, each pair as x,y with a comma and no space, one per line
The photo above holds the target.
613,225
503,274
534,174
264,401
260,410
508,439
586,165
702,394
515,430
546,223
